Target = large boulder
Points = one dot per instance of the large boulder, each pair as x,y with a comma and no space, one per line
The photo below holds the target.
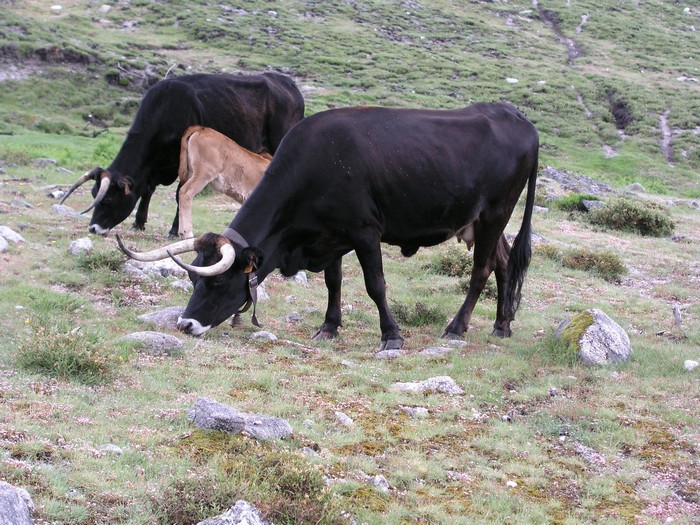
16,505
211,415
595,337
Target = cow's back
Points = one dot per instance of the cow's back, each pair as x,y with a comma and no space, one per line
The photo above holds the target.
403,170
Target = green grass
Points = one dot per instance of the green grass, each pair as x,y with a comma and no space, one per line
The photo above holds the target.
68,387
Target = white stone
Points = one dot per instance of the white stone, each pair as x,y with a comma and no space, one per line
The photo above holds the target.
690,365
10,234
343,419
80,246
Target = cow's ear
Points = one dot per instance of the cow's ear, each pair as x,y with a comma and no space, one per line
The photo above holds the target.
252,259
126,183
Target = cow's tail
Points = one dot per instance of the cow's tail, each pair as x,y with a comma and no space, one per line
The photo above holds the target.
521,251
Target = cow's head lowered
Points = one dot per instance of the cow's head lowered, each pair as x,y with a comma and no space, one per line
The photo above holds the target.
223,275
114,199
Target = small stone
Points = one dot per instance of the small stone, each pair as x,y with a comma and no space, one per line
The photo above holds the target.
435,351
154,343
264,335
389,354
690,365
10,235
381,483
294,317
512,80
109,448
343,419
165,318
80,246
511,484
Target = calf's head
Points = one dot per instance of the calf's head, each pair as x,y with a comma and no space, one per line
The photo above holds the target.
221,275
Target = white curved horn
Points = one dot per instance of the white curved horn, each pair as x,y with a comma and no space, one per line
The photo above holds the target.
104,186
228,255
160,253
89,175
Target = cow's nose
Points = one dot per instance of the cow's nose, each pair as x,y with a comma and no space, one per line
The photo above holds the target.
92,228
184,325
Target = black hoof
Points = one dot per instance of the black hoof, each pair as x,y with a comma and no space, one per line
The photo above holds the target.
324,335
451,335
138,226
497,332
391,344
236,321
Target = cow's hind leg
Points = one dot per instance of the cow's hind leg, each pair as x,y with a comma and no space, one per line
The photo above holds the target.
485,252
504,314
370,256
333,276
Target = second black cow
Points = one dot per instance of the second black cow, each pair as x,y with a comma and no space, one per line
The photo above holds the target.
256,111
349,179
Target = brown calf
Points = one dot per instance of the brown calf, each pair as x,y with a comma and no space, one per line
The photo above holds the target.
208,157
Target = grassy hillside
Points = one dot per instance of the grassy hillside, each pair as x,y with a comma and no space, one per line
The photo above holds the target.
537,438
594,77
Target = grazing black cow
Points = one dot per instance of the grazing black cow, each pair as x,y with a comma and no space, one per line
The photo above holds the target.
256,111
348,179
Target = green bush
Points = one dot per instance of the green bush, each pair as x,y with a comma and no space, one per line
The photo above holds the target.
490,290
418,314
573,201
604,264
453,262
48,349
629,215
283,485
94,261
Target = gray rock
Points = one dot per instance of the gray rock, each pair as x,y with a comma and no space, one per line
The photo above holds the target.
56,194
299,278
635,187
10,235
540,209
343,419
62,209
155,269
596,337
380,482
4,245
80,246
389,354
435,351
109,448
264,335
182,284
242,513
690,365
441,384
165,318
211,415
589,205
415,412
262,293
294,317
154,343
16,505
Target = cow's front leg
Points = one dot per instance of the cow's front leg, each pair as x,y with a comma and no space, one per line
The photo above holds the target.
370,256
333,276
142,210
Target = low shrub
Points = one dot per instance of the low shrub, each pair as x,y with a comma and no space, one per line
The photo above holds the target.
72,354
453,262
644,218
112,260
604,264
490,290
283,485
418,314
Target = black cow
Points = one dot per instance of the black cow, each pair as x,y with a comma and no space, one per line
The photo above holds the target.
348,179
256,111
